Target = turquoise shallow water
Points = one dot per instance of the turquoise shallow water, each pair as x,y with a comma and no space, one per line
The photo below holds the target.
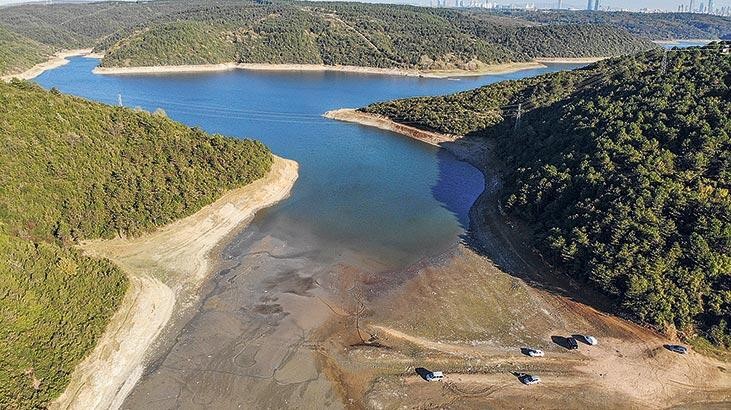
360,189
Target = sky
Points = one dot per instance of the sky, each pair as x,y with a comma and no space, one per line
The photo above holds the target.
669,5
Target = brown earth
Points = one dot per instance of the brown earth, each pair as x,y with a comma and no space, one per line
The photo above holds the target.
469,313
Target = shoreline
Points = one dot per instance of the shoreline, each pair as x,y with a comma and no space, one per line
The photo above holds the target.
572,60
162,267
496,69
354,116
57,60
686,40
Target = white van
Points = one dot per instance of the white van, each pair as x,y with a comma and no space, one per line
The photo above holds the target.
434,376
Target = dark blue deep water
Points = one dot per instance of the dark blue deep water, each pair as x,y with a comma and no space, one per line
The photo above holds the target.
360,189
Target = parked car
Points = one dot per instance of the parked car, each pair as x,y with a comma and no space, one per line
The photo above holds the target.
571,343
677,349
434,376
533,352
590,340
529,379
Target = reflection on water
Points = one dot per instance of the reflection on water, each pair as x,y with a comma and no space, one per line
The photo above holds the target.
456,188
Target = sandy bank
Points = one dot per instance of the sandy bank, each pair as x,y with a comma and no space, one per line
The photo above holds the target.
577,60
96,56
201,68
384,123
688,40
57,60
160,266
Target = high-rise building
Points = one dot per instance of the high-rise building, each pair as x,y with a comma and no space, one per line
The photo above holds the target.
710,7
596,4
589,4
559,4
690,8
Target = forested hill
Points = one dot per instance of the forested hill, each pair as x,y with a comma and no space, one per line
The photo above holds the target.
190,32
71,170
623,171
18,53
655,26
383,36
168,32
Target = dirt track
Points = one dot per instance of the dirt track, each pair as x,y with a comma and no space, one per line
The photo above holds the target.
470,320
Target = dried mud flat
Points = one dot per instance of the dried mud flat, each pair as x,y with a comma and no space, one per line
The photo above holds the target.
466,317
469,313
252,341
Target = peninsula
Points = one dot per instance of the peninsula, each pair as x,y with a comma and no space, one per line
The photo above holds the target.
574,161
167,193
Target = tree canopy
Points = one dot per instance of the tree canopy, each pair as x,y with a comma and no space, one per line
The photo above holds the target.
354,34
166,32
623,171
70,170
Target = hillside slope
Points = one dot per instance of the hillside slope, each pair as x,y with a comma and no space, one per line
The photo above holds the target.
81,25
655,26
339,33
18,53
72,170
355,34
166,32
622,169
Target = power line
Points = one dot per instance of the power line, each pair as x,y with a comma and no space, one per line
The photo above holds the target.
218,108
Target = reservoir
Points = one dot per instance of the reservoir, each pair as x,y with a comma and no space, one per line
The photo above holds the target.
368,204
359,188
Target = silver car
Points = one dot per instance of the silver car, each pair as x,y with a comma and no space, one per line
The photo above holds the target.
529,379
590,340
677,349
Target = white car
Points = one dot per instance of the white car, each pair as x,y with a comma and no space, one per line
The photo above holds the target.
434,376
529,379
590,340
534,352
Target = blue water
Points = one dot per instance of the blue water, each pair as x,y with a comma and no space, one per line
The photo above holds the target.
360,189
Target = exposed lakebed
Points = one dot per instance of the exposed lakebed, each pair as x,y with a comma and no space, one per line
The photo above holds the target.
368,203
